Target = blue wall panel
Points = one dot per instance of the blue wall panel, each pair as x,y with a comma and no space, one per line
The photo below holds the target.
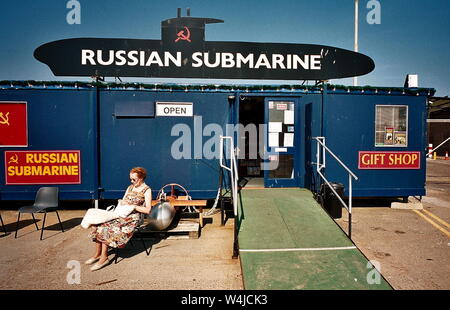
57,120
350,127
313,119
147,142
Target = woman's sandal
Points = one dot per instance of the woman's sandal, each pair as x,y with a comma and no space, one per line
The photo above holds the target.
91,260
97,266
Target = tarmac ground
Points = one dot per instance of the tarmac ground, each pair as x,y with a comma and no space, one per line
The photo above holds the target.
412,247
54,262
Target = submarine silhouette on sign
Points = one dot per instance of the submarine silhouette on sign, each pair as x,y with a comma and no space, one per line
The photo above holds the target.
183,52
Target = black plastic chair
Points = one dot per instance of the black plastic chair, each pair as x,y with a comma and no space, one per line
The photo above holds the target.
47,200
3,225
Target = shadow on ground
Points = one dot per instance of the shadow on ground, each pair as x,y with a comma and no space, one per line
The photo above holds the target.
67,225
375,202
138,244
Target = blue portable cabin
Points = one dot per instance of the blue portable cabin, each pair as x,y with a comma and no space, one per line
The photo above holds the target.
115,127
347,117
353,115
114,131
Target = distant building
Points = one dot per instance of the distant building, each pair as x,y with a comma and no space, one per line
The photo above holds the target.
439,123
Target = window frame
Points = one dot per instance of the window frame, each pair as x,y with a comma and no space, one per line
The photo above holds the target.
407,125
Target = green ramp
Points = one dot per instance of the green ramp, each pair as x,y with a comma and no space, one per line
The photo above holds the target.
288,242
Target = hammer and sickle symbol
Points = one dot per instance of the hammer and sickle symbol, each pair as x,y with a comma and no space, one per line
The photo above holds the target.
4,118
14,159
184,37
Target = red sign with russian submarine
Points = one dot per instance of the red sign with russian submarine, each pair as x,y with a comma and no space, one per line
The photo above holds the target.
13,124
388,160
42,167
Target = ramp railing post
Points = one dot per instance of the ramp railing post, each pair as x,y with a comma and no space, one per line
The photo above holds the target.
321,164
350,199
234,185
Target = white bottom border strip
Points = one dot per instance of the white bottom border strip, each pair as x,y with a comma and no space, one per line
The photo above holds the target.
298,249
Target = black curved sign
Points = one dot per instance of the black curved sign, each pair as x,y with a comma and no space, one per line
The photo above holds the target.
184,53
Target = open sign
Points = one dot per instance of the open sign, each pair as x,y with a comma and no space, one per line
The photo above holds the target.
174,109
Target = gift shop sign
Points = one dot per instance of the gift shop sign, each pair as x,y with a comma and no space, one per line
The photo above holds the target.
42,167
183,52
389,160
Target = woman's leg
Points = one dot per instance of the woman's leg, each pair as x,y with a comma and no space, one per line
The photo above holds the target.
104,253
98,249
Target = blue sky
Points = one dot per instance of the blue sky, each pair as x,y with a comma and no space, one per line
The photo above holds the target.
413,37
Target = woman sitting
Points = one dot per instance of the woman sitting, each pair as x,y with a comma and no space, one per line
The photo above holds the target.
117,232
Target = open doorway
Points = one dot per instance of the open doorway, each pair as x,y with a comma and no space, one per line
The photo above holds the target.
251,113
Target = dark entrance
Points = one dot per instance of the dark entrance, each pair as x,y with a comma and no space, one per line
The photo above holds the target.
251,115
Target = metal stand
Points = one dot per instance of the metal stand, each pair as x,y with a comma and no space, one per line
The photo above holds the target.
43,223
35,223
131,242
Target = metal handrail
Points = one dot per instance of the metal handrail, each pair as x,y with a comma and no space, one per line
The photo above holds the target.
234,187
338,160
320,166
233,169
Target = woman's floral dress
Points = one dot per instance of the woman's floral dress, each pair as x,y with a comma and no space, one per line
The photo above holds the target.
118,232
